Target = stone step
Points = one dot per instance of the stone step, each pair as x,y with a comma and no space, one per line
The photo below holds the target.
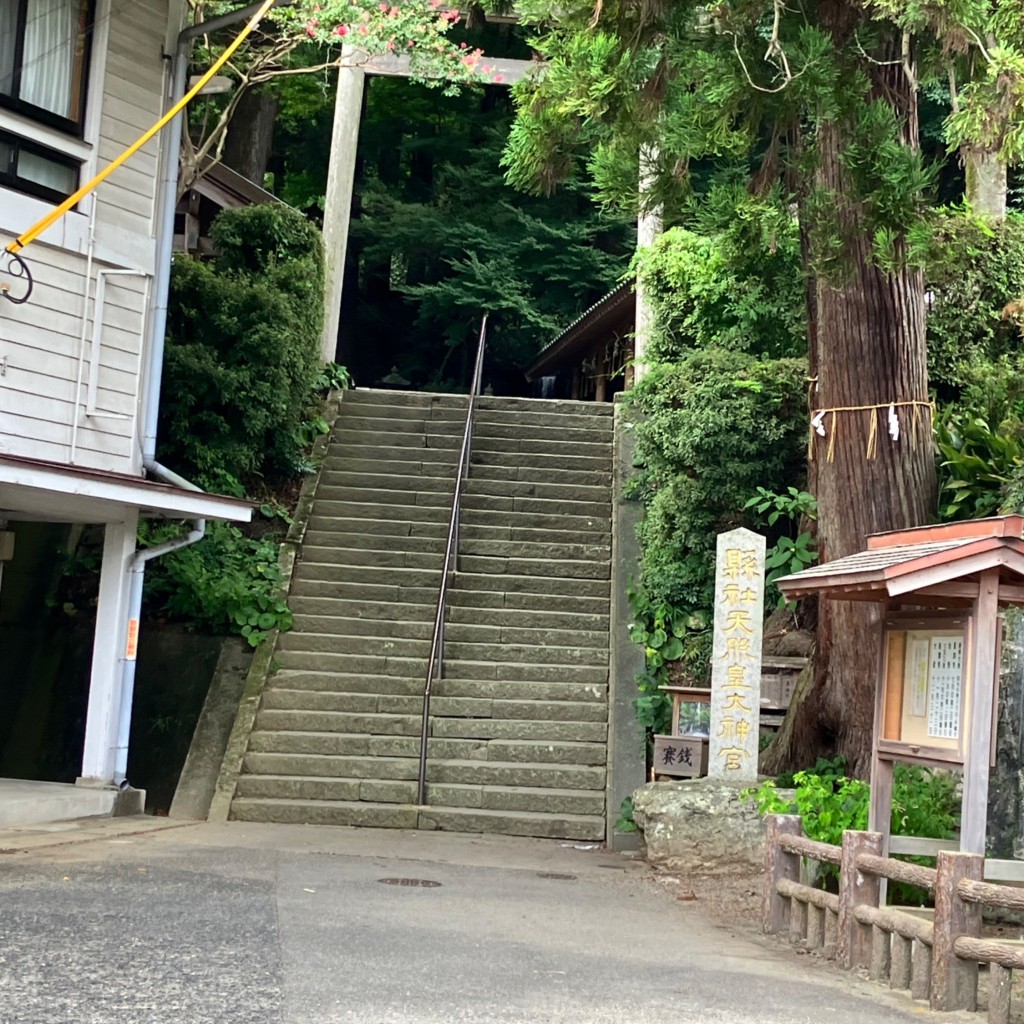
356,606
438,748
512,471
325,812
280,720
409,816
510,584
438,412
484,403
346,508
380,557
399,444
463,582
497,653
512,823
285,699
443,460
455,632
567,551
498,798
334,477
416,595
513,690
485,429
409,500
416,668
580,778
334,574
549,463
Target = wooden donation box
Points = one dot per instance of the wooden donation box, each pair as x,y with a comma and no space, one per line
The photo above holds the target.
942,588
684,754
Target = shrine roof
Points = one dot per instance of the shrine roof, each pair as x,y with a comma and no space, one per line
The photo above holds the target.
929,559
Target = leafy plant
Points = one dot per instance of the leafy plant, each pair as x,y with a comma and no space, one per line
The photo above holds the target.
977,463
925,803
333,377
625,821
788,554
226,583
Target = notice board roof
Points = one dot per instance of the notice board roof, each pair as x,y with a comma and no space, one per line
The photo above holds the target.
938,562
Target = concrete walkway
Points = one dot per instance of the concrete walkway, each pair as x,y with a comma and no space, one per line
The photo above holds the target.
270,924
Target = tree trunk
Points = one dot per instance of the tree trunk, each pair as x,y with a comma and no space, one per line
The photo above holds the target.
986,181
867,349
251,135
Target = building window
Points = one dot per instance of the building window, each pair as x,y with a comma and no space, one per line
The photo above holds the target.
36,170
44,59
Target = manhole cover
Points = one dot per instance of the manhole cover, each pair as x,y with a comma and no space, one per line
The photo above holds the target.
420,883
557,876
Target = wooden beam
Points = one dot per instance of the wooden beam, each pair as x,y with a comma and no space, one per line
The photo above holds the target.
984,651
392,65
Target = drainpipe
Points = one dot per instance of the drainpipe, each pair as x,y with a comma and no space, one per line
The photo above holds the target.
167,194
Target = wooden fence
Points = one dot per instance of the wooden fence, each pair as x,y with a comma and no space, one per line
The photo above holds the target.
933,954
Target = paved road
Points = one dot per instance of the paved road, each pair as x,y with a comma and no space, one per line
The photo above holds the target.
281,925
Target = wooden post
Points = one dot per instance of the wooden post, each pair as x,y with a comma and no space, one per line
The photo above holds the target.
778,864
797,922
954,981
815,926
856,889
881,954
921,974
831,934
902,964
341,177
999,980
985,634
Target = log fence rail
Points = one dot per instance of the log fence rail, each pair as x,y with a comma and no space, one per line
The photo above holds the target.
933,954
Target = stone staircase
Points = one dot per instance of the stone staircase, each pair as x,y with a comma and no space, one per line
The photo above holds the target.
519,718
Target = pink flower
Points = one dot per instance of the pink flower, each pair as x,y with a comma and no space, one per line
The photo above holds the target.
394,12
341,30
384,8
310,27
499,79
363,30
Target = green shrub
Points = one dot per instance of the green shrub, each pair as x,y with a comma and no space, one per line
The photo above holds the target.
717,425
738,284
243,350
974,270
925,803
227,583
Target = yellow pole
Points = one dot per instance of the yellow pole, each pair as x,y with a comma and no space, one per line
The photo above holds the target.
55,215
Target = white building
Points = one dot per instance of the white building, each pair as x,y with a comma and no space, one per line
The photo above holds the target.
81,352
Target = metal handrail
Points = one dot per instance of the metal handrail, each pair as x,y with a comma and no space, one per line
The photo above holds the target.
435,662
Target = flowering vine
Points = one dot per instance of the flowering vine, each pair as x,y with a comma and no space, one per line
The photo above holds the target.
416,28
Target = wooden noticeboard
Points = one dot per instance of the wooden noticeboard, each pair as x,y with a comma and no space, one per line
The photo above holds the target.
925,689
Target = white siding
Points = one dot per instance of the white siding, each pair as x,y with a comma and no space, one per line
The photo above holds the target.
43,407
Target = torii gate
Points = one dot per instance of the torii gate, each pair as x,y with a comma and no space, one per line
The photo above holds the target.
341,183
341,173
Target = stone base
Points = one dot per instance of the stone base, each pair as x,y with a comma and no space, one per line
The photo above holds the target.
700,826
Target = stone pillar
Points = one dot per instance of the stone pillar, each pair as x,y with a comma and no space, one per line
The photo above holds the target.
736,656
627,753
108,654
649,227
341,178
